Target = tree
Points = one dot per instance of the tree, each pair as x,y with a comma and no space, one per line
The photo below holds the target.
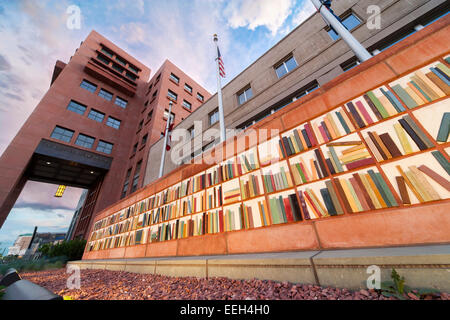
72,249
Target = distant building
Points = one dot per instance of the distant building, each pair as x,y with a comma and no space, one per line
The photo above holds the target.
94,127
20,245
76,214
43,238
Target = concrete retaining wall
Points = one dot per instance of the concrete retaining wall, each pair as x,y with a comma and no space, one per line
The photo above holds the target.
422,266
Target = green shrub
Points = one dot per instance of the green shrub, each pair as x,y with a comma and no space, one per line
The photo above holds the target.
397,288
34,265
72,249
53,257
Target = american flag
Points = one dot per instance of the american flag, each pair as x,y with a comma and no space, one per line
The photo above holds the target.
169,136
221,67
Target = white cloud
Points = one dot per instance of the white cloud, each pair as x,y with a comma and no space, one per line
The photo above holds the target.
126,7
303,12
35,39
252,14
23,220
184,37
133,32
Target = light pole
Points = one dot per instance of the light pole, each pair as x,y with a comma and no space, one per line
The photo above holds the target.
219,96
166,133
361,53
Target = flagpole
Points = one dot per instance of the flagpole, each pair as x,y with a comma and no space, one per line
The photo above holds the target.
346,35
219,96
166,134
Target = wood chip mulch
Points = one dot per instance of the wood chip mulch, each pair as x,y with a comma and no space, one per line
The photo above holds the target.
117,285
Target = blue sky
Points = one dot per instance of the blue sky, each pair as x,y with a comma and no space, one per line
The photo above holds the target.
36,35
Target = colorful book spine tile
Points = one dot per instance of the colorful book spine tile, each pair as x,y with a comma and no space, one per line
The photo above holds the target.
250,187
444,128
416,179
425,85
442,160
247,162
363,192
231,195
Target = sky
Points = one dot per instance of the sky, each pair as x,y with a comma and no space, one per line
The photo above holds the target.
34,34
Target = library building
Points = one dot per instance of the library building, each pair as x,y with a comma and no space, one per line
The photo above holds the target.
354,172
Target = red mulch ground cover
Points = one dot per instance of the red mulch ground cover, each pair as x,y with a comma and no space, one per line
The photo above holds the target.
117,285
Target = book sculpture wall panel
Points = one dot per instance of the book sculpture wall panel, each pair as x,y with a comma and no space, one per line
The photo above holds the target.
388,148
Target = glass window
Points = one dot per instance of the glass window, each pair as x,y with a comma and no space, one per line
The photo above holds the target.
214,117
200,97
309,89
104,147
107,52
96,115
191,132
117,68
149,88
245,95
135,147
334,36
157,78
121,102
174,78
121,61
85,141
349,65
166,114
133,68
131,76
140,125
187,105
76,107
62,134
208,146
136,176
105,94
112,122
88,86
149,115
172,95
103,59
188,88
349,22
286,66
144,139
125,185
290,64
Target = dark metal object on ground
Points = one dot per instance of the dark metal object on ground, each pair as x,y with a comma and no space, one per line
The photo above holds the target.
26,290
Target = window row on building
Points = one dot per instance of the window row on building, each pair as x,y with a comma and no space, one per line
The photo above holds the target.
103,93
173,95
119,64
135,181
288,63
93,114
83,140
187,87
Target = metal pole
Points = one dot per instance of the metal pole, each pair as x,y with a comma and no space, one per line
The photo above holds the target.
219,97
346,35
163,156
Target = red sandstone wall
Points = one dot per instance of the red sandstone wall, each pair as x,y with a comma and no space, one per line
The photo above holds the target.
157,123
52,111
422,224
